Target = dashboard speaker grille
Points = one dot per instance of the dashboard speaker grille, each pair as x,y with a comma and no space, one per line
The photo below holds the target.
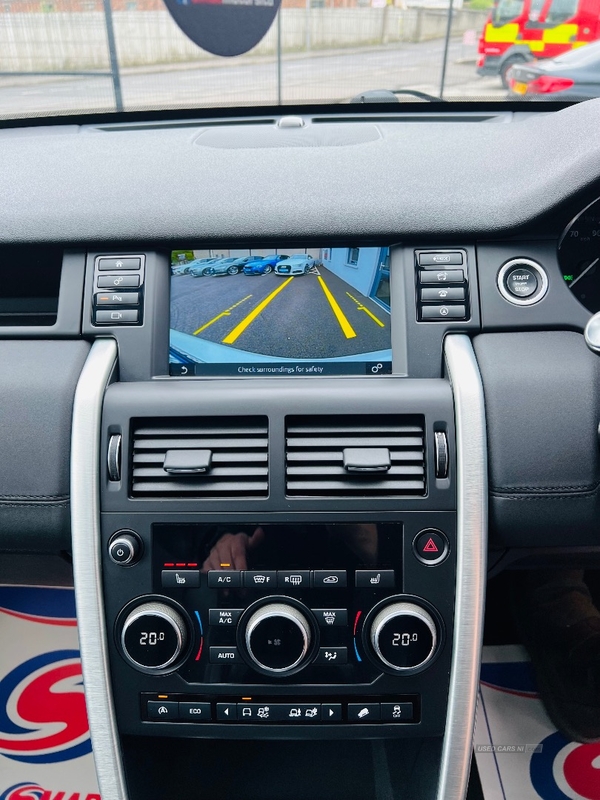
315,456
239,462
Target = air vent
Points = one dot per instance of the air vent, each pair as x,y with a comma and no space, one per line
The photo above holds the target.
317,463
238,463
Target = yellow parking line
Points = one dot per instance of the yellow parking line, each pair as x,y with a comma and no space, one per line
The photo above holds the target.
225,313
339,314
361,307
239,329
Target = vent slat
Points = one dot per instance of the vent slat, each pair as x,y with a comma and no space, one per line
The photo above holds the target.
328,471
341,429
355,441
239,464
219,472
336,457
201,489
315,455
196,430
361,488
196,442
217,458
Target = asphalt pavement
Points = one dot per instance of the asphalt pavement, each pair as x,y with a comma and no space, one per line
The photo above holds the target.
316,315
332,76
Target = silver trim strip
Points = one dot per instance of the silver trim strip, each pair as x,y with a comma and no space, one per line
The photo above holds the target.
471,553
85,533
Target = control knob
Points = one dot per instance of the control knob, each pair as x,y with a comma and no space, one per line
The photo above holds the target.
403,636
278,638
153,637
125,548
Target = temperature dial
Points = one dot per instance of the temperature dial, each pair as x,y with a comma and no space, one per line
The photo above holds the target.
154,636
278,638
404,636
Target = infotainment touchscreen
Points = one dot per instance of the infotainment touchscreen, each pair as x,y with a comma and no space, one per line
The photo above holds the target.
280,312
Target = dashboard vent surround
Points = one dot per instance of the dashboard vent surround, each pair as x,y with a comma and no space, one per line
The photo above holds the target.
239,457
315,456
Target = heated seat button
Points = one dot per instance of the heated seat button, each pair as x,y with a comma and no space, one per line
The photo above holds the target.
397,712
375,579
163,710
364,712
195,712
180,579
431,546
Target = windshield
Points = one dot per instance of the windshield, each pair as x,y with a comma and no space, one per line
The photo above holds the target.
79,56
507,10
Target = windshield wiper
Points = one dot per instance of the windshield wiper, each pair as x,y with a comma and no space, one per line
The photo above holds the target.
391,96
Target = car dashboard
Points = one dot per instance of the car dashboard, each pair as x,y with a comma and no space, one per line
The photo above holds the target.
372,495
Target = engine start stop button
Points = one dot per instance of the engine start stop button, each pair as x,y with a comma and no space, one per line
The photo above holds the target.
521,282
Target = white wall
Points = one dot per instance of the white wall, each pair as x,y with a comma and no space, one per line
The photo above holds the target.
73,41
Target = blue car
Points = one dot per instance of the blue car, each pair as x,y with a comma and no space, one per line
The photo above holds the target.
263,264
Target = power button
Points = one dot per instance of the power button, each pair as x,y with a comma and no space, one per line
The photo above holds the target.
125,548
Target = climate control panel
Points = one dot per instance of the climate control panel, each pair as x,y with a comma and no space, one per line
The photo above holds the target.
293,625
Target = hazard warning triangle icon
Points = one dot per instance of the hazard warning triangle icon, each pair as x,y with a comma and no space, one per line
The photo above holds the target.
431,547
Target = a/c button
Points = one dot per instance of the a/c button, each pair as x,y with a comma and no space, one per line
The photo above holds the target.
224,579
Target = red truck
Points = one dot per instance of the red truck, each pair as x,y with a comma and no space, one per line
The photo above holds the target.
521,30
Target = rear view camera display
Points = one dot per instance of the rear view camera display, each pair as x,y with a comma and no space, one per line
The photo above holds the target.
280,312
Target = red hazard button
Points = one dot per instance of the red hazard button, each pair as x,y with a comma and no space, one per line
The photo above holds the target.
431,546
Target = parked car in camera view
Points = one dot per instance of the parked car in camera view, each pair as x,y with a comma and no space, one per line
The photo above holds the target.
207,267
572,76
263,264
295,265
184,269
241,262
223,266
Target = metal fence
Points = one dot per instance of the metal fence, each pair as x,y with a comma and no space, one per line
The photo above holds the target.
102,41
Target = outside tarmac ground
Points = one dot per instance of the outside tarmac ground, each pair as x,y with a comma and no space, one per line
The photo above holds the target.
312,316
